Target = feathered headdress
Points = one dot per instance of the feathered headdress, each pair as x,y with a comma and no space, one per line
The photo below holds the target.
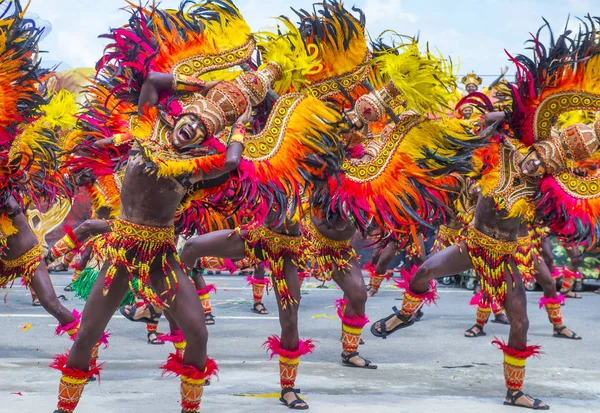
560,77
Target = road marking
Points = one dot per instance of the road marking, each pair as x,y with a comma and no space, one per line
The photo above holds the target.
26,315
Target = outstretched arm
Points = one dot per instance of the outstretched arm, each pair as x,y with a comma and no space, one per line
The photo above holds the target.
157,82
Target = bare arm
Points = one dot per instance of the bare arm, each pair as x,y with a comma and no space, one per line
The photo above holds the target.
494,117
233,156
157,82
154,83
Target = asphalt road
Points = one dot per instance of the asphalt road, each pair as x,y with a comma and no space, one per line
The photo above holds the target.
428,367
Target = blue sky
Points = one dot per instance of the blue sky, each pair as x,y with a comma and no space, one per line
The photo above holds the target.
474,32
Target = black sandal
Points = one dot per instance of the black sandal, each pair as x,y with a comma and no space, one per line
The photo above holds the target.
156,341
514,397
406,322
69,287
262,311
558,334
501,320
294,404
346,361
474,334
209,319
419,315
573,294
153,319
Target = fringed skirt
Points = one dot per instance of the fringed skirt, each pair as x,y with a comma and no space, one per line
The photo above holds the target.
136,248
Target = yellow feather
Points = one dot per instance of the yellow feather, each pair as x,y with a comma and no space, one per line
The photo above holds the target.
425,80
290,53
60,112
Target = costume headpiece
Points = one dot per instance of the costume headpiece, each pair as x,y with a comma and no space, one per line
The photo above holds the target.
575,143
471,79
561,77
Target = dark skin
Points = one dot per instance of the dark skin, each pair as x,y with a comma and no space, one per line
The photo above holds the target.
351,281
228,244
455,259
388,253
151,201
19,244
575,260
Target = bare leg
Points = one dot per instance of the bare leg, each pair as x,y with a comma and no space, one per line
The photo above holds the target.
386,255
452,260
258,287
45,294
221,244
186,311
288,317
353,285
545,280
97,312
516,310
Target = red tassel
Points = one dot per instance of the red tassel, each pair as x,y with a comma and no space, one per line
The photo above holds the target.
273,344
69,231
210,288
60,329
527,351
60,363
176,336
174,365
357,321
404,283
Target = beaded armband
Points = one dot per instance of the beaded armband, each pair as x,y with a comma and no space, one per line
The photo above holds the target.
183,83
238,134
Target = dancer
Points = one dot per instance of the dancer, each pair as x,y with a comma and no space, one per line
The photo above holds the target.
162,165
29,129
492,237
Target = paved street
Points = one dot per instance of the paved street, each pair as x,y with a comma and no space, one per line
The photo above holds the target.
429,367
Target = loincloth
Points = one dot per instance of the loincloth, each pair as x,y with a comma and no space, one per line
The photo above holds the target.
491,260
23,266
274,248
136,248
325,255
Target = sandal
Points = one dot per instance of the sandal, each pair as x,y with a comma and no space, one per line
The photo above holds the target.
515,396
406,322
61,267
419,315
209,319
69,287
473,334
155,340
294,404
558,334
501,319
572,294
346,361
153,319
262,311
36,302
